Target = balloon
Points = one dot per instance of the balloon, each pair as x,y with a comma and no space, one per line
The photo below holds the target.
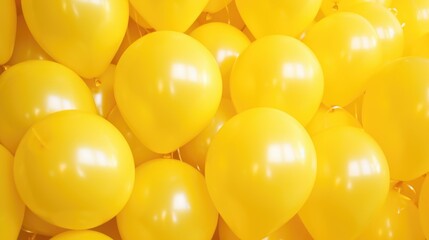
226,43
26,48
167,87
329,6
110,229
289,77
140,152
31,90
414,17
267,17
7,30
326,118
252,167
355,44
74,170
174,15
398,219
134,32
34,224
79,235
394,113
386,25
82,35
229,15
216,5
421,46
351,186
195,151
102,91
169,200
11,206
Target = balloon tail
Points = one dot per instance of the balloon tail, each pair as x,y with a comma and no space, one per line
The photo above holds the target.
4,68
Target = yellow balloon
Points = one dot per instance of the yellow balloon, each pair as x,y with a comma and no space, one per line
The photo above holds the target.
140,152
267,17
167,87
386,25
216,5
34,224
252,168
424,207
26,48
228,14
289,78
195,151
226,43
174,15
169,201
351,186
102,91
74,170
326,118
31,90
80,235
332,6
394,113
421,46
11,207
7,29
82,35
355,44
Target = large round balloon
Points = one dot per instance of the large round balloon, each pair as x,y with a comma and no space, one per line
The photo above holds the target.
252,169
351,186
7,29
80,235
167,87
31,90
279,72
348,58
394,112
74,170
267,17
169,201
83,35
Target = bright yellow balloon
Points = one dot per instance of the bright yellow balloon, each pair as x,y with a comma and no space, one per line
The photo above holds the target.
7,29
31,90
82,35
169,201
394,113
74,170
348,59
253,166
229,15
140,152
332,6
26,48
102,91
414,17
279,72
80,235
195,151
226,43
388,29
11,207
214,6
34,224
424,207
351,186
267,17
167,87
174,15
326,118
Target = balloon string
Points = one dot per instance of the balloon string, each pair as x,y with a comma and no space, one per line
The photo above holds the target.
179,155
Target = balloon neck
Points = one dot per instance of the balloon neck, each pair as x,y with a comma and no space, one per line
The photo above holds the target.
3,68
173,155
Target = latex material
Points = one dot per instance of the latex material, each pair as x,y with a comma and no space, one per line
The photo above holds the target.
82,35
195,151
355,44
216,5
226,43
140,152
351,186
74,170
252,167
424,207
83,234
329,6
168,194
157,81
421,47
11,206
280,72
102,91
267,17
398,219
34,224
31,90
394,113
174,15
7,30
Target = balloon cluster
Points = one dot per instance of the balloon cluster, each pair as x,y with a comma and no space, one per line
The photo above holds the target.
214,119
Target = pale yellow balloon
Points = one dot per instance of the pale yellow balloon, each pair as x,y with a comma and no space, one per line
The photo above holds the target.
7,29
